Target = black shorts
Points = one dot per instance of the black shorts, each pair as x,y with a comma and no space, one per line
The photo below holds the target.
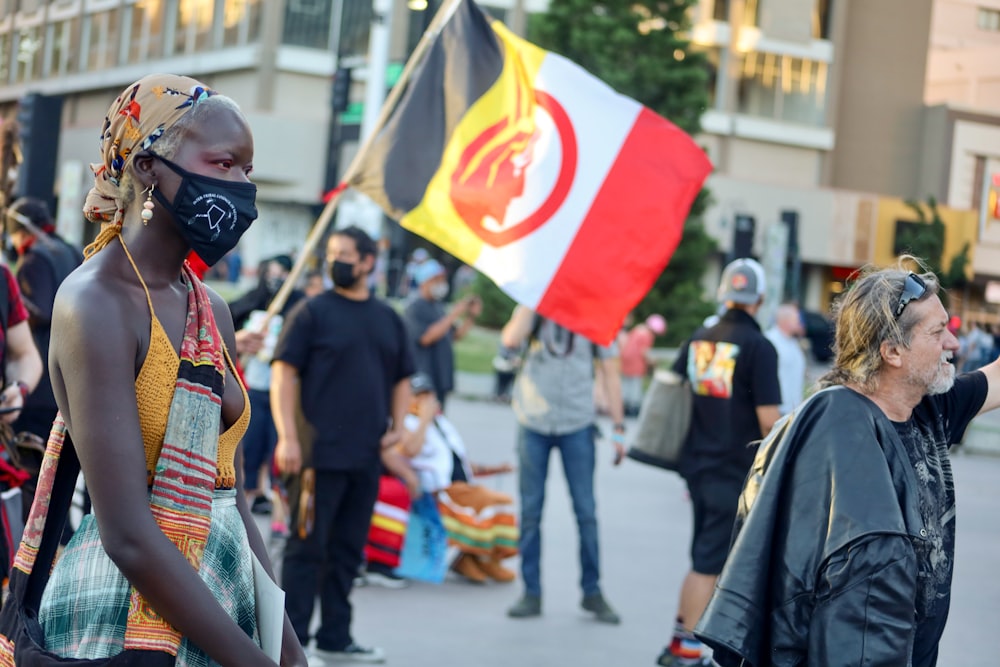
714,501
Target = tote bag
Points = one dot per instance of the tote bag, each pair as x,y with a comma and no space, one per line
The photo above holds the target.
664,419
425,546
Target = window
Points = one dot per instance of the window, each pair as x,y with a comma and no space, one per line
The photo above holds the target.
147,31
988,19
307,23
194,26
783,88
241,22
4,57
720,12
28,57
65,45
355,27
102,40
821,16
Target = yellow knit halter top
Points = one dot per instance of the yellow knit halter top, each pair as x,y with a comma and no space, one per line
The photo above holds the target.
154,391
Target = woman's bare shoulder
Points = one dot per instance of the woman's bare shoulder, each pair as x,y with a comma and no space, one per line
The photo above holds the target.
93,303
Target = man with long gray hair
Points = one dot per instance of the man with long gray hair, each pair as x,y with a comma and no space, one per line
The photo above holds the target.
846,532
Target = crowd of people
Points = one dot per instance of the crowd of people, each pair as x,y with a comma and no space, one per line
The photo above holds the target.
329,415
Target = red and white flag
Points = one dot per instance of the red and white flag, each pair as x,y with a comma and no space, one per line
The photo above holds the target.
571,197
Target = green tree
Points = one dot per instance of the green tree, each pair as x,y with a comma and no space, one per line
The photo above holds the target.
641,48
926,241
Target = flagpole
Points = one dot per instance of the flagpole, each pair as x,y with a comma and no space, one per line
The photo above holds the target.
444,13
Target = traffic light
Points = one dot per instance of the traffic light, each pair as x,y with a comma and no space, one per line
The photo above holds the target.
341,89
39,120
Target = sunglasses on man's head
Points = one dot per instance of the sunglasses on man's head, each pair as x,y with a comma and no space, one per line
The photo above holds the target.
914,287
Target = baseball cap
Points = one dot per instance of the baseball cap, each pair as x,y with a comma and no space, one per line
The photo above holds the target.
420,254
420,383
742,282
429,269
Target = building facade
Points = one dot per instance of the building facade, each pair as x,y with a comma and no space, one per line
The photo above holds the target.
827,113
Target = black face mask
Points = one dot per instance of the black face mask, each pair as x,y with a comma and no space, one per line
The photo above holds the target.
343,274
211,214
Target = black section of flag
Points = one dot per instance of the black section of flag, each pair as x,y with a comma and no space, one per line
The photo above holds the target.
464,61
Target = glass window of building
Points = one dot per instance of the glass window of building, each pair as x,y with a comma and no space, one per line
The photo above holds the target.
355,27
307,23
4,57
65,47
146,41
194,26
751,13
241,22
102,39
720,11
988,19
29,54
821,16
781,87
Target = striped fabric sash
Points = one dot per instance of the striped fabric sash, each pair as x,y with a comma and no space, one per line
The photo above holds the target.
181,498
184,480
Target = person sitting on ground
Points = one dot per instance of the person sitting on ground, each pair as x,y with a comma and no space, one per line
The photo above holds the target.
432,459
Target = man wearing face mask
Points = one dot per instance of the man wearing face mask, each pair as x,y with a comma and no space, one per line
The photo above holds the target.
433,329
344,356
249,313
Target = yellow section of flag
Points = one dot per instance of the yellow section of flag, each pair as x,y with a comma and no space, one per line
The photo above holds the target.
499,122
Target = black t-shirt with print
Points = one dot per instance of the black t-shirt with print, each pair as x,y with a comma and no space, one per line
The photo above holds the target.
349,355
733,370
936,424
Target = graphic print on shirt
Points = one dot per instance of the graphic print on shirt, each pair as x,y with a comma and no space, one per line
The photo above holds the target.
710,367
932,466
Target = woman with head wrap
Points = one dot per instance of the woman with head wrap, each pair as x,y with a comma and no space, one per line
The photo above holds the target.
147,392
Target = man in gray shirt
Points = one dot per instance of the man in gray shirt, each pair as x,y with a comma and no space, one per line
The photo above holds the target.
554,405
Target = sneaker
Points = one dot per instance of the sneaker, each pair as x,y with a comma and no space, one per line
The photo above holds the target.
351,653
668,659
382,575
261,505
527,607
602,610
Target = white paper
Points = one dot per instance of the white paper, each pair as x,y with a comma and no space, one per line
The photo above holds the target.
270,601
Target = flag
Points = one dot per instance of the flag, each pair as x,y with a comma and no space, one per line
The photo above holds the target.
568,195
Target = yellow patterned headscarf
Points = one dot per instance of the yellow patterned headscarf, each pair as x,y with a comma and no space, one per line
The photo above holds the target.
140,116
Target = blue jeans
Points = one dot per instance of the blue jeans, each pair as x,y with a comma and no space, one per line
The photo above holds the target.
577,453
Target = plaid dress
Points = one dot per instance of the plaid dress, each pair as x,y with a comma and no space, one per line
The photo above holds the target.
85,606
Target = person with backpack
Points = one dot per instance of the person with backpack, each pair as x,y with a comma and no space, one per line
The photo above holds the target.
44,259
554,404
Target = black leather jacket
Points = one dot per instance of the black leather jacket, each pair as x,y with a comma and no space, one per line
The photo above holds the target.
823,570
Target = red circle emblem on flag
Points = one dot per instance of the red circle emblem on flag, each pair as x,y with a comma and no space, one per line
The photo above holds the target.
492,172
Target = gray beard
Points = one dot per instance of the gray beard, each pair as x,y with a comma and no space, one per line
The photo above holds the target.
943,381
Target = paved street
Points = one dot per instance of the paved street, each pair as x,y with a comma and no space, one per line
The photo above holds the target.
645,524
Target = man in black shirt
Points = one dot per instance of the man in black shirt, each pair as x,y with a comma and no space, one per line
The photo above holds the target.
344,357
847,520
733,371
44,260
